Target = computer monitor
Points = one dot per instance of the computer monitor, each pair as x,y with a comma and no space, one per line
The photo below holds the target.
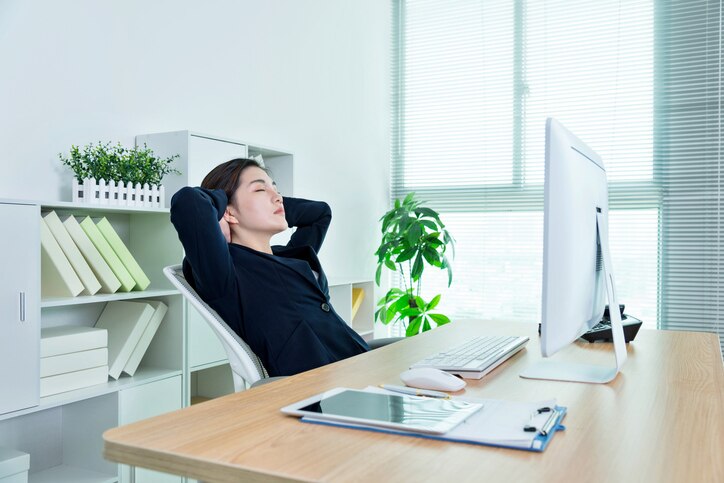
577,270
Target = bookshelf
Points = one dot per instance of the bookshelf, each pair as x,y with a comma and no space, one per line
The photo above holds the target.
63,432
185,361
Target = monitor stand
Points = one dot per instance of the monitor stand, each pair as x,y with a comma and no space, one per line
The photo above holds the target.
579,372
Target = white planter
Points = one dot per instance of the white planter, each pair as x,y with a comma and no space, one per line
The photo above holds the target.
100,193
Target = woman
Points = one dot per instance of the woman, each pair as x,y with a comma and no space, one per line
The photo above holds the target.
275,298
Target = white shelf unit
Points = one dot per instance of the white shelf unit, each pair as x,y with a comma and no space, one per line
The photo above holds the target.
340,294
63,432
198,153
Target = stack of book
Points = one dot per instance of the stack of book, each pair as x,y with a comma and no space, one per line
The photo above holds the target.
72,357
131,326
85,258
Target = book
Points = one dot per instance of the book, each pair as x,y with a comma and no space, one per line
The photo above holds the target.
64,339
58,279
358,295
108,280
90,228
73,361
71,251
160,310
106,229
125,321
71,381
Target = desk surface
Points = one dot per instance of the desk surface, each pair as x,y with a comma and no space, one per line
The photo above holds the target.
661,419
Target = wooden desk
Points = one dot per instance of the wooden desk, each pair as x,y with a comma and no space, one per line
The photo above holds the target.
662,419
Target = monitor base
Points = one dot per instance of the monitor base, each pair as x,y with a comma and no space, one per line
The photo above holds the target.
570,371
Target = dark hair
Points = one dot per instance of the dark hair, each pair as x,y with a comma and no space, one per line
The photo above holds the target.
226,176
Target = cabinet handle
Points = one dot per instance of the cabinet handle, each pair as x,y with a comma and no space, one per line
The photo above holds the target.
22,306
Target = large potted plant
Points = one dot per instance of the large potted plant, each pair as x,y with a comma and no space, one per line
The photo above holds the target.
117,175
413,237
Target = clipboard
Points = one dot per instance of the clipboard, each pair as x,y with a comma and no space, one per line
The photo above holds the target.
503,424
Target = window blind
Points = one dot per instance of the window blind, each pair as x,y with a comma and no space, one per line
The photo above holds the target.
688,156
474,82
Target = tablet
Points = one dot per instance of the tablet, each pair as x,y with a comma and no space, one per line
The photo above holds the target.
401,412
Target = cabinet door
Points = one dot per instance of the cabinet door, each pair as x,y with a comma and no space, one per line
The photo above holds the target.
19,307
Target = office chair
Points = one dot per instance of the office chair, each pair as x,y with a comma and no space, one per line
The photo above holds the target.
246,367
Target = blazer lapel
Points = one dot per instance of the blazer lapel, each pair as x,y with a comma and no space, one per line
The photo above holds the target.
292,256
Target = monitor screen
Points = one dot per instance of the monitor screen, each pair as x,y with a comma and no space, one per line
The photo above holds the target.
577,273
575,191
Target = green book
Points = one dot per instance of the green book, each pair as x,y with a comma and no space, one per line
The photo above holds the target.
109,281
71,250
90,229
58,279
106,229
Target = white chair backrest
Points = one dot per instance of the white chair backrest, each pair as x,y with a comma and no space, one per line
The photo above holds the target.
245,365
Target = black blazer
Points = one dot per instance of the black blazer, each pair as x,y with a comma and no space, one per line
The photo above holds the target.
273,302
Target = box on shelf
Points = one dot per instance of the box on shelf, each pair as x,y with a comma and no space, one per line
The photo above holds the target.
14,466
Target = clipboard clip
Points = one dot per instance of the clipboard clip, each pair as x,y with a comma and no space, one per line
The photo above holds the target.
547,425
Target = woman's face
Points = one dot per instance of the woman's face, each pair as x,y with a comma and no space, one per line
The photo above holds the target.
257,205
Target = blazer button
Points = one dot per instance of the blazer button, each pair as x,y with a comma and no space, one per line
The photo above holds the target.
325,307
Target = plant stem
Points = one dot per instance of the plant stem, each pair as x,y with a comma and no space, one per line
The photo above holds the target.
404,281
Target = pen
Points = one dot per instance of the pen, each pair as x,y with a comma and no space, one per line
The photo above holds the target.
414,391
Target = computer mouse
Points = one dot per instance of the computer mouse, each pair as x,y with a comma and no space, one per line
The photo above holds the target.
430,378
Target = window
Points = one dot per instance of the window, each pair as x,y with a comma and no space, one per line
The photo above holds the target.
638,81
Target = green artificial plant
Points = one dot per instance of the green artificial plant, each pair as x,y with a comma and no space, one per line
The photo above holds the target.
413,237
116,163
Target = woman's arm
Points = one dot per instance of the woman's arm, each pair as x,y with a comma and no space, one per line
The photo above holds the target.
195,213
312,219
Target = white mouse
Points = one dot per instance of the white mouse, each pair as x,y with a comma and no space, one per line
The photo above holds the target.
430,378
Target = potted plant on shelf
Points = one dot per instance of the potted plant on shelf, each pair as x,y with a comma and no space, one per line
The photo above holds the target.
413,237
116,175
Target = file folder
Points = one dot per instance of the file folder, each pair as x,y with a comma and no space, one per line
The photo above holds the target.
499,423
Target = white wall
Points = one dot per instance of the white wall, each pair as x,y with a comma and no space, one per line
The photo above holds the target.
308,76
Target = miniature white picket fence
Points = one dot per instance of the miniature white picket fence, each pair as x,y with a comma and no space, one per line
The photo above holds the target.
100,193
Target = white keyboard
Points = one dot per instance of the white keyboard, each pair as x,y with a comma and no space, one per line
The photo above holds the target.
477,357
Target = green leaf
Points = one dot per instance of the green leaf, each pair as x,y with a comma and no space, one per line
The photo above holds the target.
439,319
431,256
397,204
390,264
414,327
389,316
417,267
408,198
406,255
449,270
400,304
414,234
420,303
433,303
409,311
430,213
429,224
426,326
378,274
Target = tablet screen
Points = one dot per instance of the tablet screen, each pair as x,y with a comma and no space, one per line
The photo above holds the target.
397,411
